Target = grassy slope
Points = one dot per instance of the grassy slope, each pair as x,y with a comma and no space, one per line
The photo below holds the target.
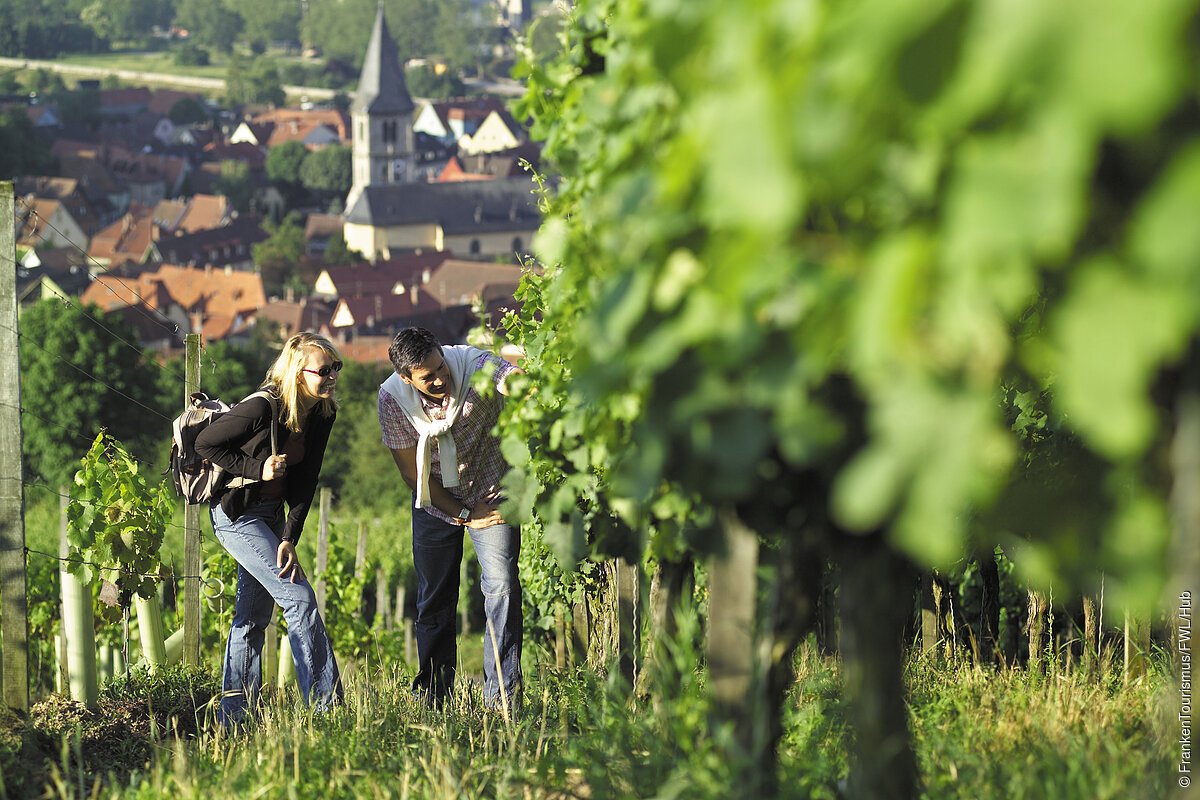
977,735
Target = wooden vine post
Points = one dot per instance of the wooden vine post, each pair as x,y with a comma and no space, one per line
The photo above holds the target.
191,524
360,553
323,548
14,612
731,622
629,589
382,601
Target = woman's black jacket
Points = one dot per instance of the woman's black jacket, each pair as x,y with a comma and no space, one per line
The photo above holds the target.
240,443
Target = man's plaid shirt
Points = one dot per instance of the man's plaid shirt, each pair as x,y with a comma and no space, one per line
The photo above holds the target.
480,464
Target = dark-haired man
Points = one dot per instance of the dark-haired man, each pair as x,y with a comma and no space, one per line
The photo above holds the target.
439,430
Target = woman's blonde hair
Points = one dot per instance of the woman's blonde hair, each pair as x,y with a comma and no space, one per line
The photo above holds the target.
284,374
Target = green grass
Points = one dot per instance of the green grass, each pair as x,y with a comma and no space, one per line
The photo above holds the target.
162,61
977,734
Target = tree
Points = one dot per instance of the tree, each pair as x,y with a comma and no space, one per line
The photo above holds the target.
327,170
425,81
22,151
452,29
460,33
253,81
79,107
210,22
338,253
236,183
229,371
43,29
125,20
284,165
285,161
96,381
272,21
188,111
190,54
359,471
45,83
280,254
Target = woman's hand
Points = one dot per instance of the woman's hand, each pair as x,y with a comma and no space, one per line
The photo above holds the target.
275,467
288,563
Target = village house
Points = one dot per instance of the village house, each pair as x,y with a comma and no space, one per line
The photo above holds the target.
51,274
68,192
129,239
314,128
216,303
318,230
393,276
227,246
47,223
489,166
449,120
380,314
467,283
199,212
289,316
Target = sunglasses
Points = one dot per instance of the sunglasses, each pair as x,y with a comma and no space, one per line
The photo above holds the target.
325,370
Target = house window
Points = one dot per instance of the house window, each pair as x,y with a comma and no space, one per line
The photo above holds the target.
475,247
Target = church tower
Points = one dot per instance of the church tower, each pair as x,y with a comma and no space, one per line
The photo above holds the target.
382,118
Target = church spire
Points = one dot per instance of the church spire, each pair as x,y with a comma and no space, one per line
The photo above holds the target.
381,86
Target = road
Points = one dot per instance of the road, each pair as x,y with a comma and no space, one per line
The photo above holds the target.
154,78
509,88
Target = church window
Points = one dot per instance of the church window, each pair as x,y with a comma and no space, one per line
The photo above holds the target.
389,132
475,247
517,244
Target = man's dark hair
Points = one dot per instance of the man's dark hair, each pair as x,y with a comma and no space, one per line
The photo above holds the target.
410,348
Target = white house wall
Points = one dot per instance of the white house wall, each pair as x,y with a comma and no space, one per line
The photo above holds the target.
429,122
490,244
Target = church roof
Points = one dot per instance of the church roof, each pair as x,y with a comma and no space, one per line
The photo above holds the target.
504,204
381,86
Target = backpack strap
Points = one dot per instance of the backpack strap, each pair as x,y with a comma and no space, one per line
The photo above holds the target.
274,418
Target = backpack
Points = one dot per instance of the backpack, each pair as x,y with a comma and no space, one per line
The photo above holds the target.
197,480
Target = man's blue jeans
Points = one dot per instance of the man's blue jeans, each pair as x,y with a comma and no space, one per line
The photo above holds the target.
253,541
437,557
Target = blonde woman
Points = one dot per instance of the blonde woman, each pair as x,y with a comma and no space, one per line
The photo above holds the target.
248,519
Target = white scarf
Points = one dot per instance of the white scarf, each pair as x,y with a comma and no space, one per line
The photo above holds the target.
461,360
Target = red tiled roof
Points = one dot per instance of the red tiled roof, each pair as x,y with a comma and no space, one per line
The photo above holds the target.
204,211
127,96
163,100
382,309
220,298
126,239
248,152
335,120
33,220
458,282
366,349
379,278
453,171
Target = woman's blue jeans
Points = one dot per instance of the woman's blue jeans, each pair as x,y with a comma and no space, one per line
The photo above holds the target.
437,556
253,541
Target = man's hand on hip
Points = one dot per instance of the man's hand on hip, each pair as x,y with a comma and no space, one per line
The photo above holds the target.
484,515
